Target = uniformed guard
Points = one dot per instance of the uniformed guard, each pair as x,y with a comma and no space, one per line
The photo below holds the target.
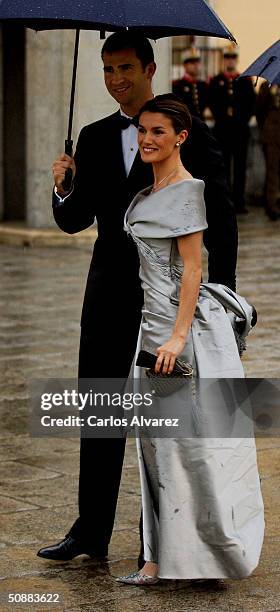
268,117
232,102
191,89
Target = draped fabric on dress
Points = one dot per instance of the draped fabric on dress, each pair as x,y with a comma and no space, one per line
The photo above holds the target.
202,504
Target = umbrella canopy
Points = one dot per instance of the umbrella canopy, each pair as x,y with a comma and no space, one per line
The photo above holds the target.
155,18
267,65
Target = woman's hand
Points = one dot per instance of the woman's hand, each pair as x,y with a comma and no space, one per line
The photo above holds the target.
167,354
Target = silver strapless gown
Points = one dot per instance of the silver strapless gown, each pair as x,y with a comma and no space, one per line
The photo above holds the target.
201,498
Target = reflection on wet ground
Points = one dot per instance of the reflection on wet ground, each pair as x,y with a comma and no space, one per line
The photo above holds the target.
40,304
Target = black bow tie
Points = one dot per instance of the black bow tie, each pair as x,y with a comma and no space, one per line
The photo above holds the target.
125,122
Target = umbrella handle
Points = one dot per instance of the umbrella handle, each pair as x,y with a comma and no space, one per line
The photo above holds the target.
69,142
66,185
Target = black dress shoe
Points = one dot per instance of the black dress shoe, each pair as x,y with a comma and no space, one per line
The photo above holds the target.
69,548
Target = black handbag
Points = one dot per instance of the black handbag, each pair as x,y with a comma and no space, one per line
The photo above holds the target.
164,384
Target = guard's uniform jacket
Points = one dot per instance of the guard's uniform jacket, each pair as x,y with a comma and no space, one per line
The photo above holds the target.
193,92
232,103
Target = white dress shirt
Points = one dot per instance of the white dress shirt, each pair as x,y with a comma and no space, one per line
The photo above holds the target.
129,144
129,149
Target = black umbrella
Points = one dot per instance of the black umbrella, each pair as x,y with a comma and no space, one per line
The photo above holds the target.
154,18
267,65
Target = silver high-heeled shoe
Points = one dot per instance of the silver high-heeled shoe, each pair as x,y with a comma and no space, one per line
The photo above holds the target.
138,579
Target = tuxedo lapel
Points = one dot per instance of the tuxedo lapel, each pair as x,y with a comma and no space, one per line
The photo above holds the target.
140,175
140,172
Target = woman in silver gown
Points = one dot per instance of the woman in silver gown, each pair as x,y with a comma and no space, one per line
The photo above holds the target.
201,498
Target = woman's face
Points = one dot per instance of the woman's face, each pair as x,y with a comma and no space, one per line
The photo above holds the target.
157,138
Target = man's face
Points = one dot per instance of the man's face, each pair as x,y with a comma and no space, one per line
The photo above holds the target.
230,63
125,78
193,68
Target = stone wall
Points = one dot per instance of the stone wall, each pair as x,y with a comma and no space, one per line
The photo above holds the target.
254,23
47,79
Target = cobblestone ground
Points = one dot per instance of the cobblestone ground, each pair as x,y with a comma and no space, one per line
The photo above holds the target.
41,294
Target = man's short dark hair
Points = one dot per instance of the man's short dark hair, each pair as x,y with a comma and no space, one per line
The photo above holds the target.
130,40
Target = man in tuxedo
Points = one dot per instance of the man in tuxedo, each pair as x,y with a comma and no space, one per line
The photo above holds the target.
108,172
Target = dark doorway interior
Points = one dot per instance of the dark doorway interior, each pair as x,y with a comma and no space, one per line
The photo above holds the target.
14,137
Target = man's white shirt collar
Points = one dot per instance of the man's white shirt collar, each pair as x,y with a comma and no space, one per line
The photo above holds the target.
129,144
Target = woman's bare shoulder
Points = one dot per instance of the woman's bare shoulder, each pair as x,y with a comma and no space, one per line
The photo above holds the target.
184,176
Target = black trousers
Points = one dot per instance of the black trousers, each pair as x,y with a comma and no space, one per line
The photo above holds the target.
234,139
272,188
101,459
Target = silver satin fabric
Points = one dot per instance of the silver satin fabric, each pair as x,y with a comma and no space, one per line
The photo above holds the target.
202,504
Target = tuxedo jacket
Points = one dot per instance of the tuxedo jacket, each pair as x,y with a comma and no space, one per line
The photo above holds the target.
103,192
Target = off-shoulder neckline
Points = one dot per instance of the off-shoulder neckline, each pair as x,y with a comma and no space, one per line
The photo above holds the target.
137,197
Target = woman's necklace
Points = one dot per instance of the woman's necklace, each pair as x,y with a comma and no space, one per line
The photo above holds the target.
155,188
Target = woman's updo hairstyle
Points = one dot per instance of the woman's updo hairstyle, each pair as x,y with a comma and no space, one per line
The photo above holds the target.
172,107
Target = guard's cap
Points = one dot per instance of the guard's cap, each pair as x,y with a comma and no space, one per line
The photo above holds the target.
231,50
192,55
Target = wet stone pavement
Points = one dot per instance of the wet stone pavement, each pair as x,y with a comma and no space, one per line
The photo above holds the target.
40,302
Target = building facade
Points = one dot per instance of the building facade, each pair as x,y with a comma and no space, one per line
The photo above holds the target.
254,23
35,81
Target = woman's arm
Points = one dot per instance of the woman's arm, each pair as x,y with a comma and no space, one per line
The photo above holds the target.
190,250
